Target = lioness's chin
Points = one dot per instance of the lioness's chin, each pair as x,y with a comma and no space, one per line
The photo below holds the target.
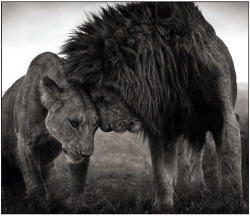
73,160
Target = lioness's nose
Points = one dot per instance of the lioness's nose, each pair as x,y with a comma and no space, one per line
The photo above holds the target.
86,153
85,156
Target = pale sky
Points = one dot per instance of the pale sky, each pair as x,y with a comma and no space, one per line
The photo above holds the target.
30,28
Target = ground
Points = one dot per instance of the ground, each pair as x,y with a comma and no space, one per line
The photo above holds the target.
120,178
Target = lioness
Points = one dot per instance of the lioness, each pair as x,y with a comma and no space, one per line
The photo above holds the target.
42,115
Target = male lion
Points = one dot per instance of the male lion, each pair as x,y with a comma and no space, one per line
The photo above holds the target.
33,135
162,65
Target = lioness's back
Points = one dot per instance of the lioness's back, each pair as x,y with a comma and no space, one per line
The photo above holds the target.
11,173
8,123
23,118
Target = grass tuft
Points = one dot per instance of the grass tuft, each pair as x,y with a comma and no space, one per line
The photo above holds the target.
120,180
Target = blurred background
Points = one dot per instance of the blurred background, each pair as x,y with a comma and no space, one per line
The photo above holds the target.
30,28
120,175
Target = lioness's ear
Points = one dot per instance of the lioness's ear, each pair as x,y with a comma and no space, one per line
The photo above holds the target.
50,91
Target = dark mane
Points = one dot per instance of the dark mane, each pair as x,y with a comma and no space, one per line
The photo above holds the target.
157,55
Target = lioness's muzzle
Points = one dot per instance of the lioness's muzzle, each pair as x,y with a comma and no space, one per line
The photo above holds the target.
75,154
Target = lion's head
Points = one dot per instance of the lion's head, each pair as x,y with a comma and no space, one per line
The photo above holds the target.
157,63
114,114
72,118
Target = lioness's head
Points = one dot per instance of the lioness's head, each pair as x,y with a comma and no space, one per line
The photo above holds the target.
72,118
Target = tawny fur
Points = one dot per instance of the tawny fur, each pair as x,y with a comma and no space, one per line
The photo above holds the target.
37,113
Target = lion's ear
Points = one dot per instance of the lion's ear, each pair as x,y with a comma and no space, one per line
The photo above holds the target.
50,91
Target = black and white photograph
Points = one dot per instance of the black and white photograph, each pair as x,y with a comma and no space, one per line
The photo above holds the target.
124,107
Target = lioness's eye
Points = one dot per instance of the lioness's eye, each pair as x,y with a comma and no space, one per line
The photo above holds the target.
74,124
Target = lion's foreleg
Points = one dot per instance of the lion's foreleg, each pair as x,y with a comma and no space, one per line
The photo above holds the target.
183,165
229,152
190,166
30,167
196,171
164,161
79,172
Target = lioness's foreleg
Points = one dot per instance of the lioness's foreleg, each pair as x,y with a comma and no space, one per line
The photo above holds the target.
46,172
164,161
30,167
79,172
229,151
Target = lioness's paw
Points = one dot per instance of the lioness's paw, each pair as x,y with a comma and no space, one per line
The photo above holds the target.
74,202
71,201
36,202
48,196
38,192
162,207
243,205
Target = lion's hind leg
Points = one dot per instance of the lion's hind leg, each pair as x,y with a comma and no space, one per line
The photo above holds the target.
229,152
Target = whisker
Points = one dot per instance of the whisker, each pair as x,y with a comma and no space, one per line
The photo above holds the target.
57,153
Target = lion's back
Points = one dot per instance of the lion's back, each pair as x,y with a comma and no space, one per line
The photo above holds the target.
229,61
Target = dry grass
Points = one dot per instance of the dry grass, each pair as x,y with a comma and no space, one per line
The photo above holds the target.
120,179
